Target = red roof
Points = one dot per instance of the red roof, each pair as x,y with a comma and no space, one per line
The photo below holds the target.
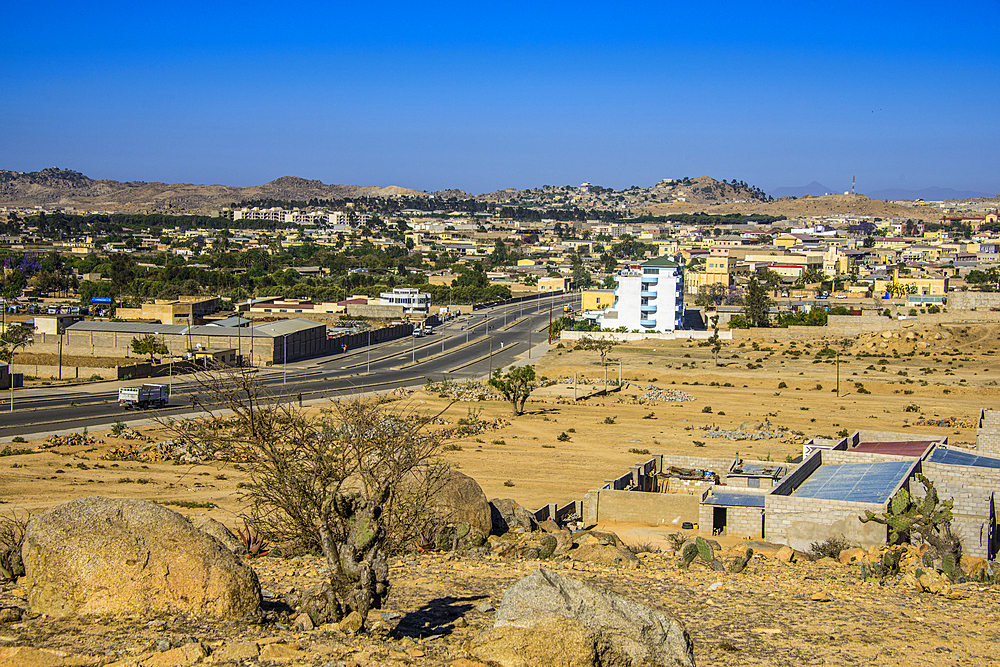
914,448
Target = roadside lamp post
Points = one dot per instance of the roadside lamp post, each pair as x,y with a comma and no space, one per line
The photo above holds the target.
413,349
10,362
368,368
284,360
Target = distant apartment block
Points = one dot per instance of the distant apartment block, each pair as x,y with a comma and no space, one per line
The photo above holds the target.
410,298
649,297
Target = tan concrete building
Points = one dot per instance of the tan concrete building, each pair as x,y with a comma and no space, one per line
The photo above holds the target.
184,310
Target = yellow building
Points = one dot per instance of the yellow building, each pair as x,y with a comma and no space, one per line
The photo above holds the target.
923,285
525,262
596,299
554,284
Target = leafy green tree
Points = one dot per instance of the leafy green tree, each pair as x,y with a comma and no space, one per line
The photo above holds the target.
515,385
14,338
148,344
756,304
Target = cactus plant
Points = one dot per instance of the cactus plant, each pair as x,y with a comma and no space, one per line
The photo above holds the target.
689,554
929,518
547,547
705,549
739,563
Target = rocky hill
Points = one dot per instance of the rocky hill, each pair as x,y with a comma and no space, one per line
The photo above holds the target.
54,187
62,187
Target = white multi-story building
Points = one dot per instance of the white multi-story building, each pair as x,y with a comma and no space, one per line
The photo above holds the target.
649,297
410,298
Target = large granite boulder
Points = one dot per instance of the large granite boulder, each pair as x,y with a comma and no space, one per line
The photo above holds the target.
460,498
210,526
548,619
119,556
509,514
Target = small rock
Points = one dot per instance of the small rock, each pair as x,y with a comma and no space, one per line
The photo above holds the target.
850,555
821,596
303,622
352,624
188,654
484,607
391,615
238,652
461,623
280,653
11,614
162,645
785,555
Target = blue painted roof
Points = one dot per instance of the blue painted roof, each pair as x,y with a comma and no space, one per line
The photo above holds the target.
855,482
956,457
735,499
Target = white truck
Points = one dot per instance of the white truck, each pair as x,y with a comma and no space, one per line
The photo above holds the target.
147,395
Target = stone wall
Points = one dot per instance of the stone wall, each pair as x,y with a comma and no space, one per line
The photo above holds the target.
970,300
567,336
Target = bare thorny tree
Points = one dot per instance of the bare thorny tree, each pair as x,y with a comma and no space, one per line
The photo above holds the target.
355,480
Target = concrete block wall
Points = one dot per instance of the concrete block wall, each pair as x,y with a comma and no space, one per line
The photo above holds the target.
740,521
799,522
654,509
971,489
896,436
988,432
837,457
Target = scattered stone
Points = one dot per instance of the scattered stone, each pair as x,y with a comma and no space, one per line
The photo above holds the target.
484,607
821,596
118,556
460,498
549,619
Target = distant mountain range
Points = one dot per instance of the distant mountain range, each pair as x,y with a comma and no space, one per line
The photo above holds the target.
814,189
927,194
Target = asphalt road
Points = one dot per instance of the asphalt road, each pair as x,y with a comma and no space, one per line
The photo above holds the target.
461,349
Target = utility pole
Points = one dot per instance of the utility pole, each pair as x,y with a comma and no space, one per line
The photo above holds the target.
550,323
574,388
838,374
60,351
368,368
413,349
284,360
491,347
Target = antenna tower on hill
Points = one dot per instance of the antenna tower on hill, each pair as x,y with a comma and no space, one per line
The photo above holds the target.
853,180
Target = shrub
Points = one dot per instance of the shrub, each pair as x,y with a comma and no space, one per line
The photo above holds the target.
642,452
831,548
563,437
707,408
609,420
782,385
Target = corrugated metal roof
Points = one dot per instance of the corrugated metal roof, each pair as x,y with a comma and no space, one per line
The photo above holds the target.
268,330
735,498
855,482
959,458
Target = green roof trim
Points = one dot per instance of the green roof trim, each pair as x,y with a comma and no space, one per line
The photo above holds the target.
661,261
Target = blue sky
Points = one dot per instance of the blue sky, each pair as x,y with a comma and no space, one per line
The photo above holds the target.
482,96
